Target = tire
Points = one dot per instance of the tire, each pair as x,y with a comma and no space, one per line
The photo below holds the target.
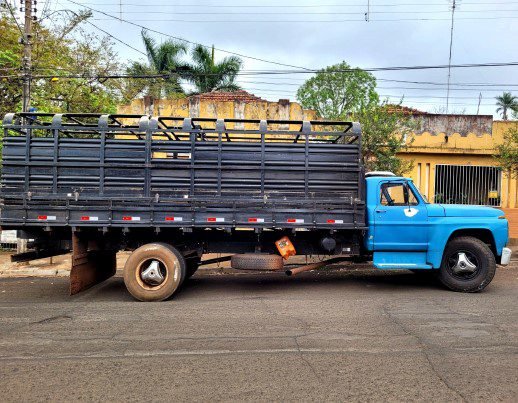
192,265
171,265
476,253
257,261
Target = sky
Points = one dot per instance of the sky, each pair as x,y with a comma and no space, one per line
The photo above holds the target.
313,34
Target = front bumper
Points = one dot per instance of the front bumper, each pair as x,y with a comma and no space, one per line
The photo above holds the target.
506,256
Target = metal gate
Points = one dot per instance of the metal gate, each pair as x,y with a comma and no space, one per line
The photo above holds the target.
468,184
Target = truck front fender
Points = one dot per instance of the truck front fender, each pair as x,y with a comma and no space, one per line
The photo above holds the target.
442,231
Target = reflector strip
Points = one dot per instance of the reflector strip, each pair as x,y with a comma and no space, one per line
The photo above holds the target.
335,221
215,219
177,219
130,218
89,218
253,219
295,220
47,217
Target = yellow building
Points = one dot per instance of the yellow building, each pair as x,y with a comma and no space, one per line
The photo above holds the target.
460,167
453,155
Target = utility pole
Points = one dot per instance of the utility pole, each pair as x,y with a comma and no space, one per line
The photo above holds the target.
27,73
449,60
27,53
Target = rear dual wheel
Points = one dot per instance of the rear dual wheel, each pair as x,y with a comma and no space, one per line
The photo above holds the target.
154,272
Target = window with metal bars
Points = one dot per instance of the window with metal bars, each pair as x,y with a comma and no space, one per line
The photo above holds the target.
468,184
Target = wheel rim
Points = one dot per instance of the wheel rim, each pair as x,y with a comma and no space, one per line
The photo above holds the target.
463,265
152,274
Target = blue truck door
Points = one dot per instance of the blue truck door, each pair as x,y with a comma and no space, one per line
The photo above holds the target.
400,219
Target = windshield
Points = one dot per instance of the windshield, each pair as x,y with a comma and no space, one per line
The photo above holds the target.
416,190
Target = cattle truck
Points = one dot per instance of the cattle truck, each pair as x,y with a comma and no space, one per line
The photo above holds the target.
255,192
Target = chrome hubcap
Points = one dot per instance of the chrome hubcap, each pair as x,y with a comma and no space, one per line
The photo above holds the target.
152,275
463,265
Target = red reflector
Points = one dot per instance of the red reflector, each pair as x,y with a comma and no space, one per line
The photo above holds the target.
252,220
85,218
42,217
330,221
169,218
211,219
291,220
126,218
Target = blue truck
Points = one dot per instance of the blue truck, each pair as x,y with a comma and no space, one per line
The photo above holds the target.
173,190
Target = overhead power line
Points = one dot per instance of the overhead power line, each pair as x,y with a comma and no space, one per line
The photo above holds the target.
270,21
236,6
307,71
185,40
114,37
309,13
8,5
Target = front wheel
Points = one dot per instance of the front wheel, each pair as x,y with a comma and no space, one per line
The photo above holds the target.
468,265
154,272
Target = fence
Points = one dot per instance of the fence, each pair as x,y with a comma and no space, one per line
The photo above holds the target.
468,184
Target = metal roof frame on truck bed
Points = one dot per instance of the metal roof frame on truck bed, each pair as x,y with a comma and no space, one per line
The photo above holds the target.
131,170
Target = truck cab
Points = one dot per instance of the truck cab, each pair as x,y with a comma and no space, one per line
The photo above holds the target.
460,243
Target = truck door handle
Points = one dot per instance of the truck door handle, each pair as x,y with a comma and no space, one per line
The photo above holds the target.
381,211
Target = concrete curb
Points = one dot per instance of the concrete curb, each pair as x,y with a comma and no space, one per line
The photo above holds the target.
34,272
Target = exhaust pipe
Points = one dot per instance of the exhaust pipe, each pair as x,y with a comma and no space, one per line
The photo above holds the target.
314,266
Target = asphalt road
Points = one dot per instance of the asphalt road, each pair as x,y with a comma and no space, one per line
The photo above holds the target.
360,335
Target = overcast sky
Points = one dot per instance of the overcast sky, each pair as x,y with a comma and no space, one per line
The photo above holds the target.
315,34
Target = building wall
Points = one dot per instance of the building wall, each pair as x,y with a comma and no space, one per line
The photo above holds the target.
209,107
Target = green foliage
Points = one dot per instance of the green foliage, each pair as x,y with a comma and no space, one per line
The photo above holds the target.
164,58
506,102
10,64
385,132
207,75
334,93
63,48
337,94
508,152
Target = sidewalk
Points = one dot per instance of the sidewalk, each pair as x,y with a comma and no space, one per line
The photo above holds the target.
59,266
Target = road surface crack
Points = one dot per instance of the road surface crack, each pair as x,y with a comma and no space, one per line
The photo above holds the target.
424,350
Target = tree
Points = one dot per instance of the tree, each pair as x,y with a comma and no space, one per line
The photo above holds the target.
507,152
506,102
162,59
208,75
338,90
61,47
385,131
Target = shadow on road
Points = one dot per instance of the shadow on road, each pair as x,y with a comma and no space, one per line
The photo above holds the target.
203,284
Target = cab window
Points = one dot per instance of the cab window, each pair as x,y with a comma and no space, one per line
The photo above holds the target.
397,194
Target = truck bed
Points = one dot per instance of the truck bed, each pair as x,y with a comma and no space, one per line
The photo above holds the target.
74,170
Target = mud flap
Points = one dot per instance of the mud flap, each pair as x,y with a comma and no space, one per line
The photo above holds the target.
91,264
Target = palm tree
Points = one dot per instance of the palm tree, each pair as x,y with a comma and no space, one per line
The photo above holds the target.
165,59
206,75
505,102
